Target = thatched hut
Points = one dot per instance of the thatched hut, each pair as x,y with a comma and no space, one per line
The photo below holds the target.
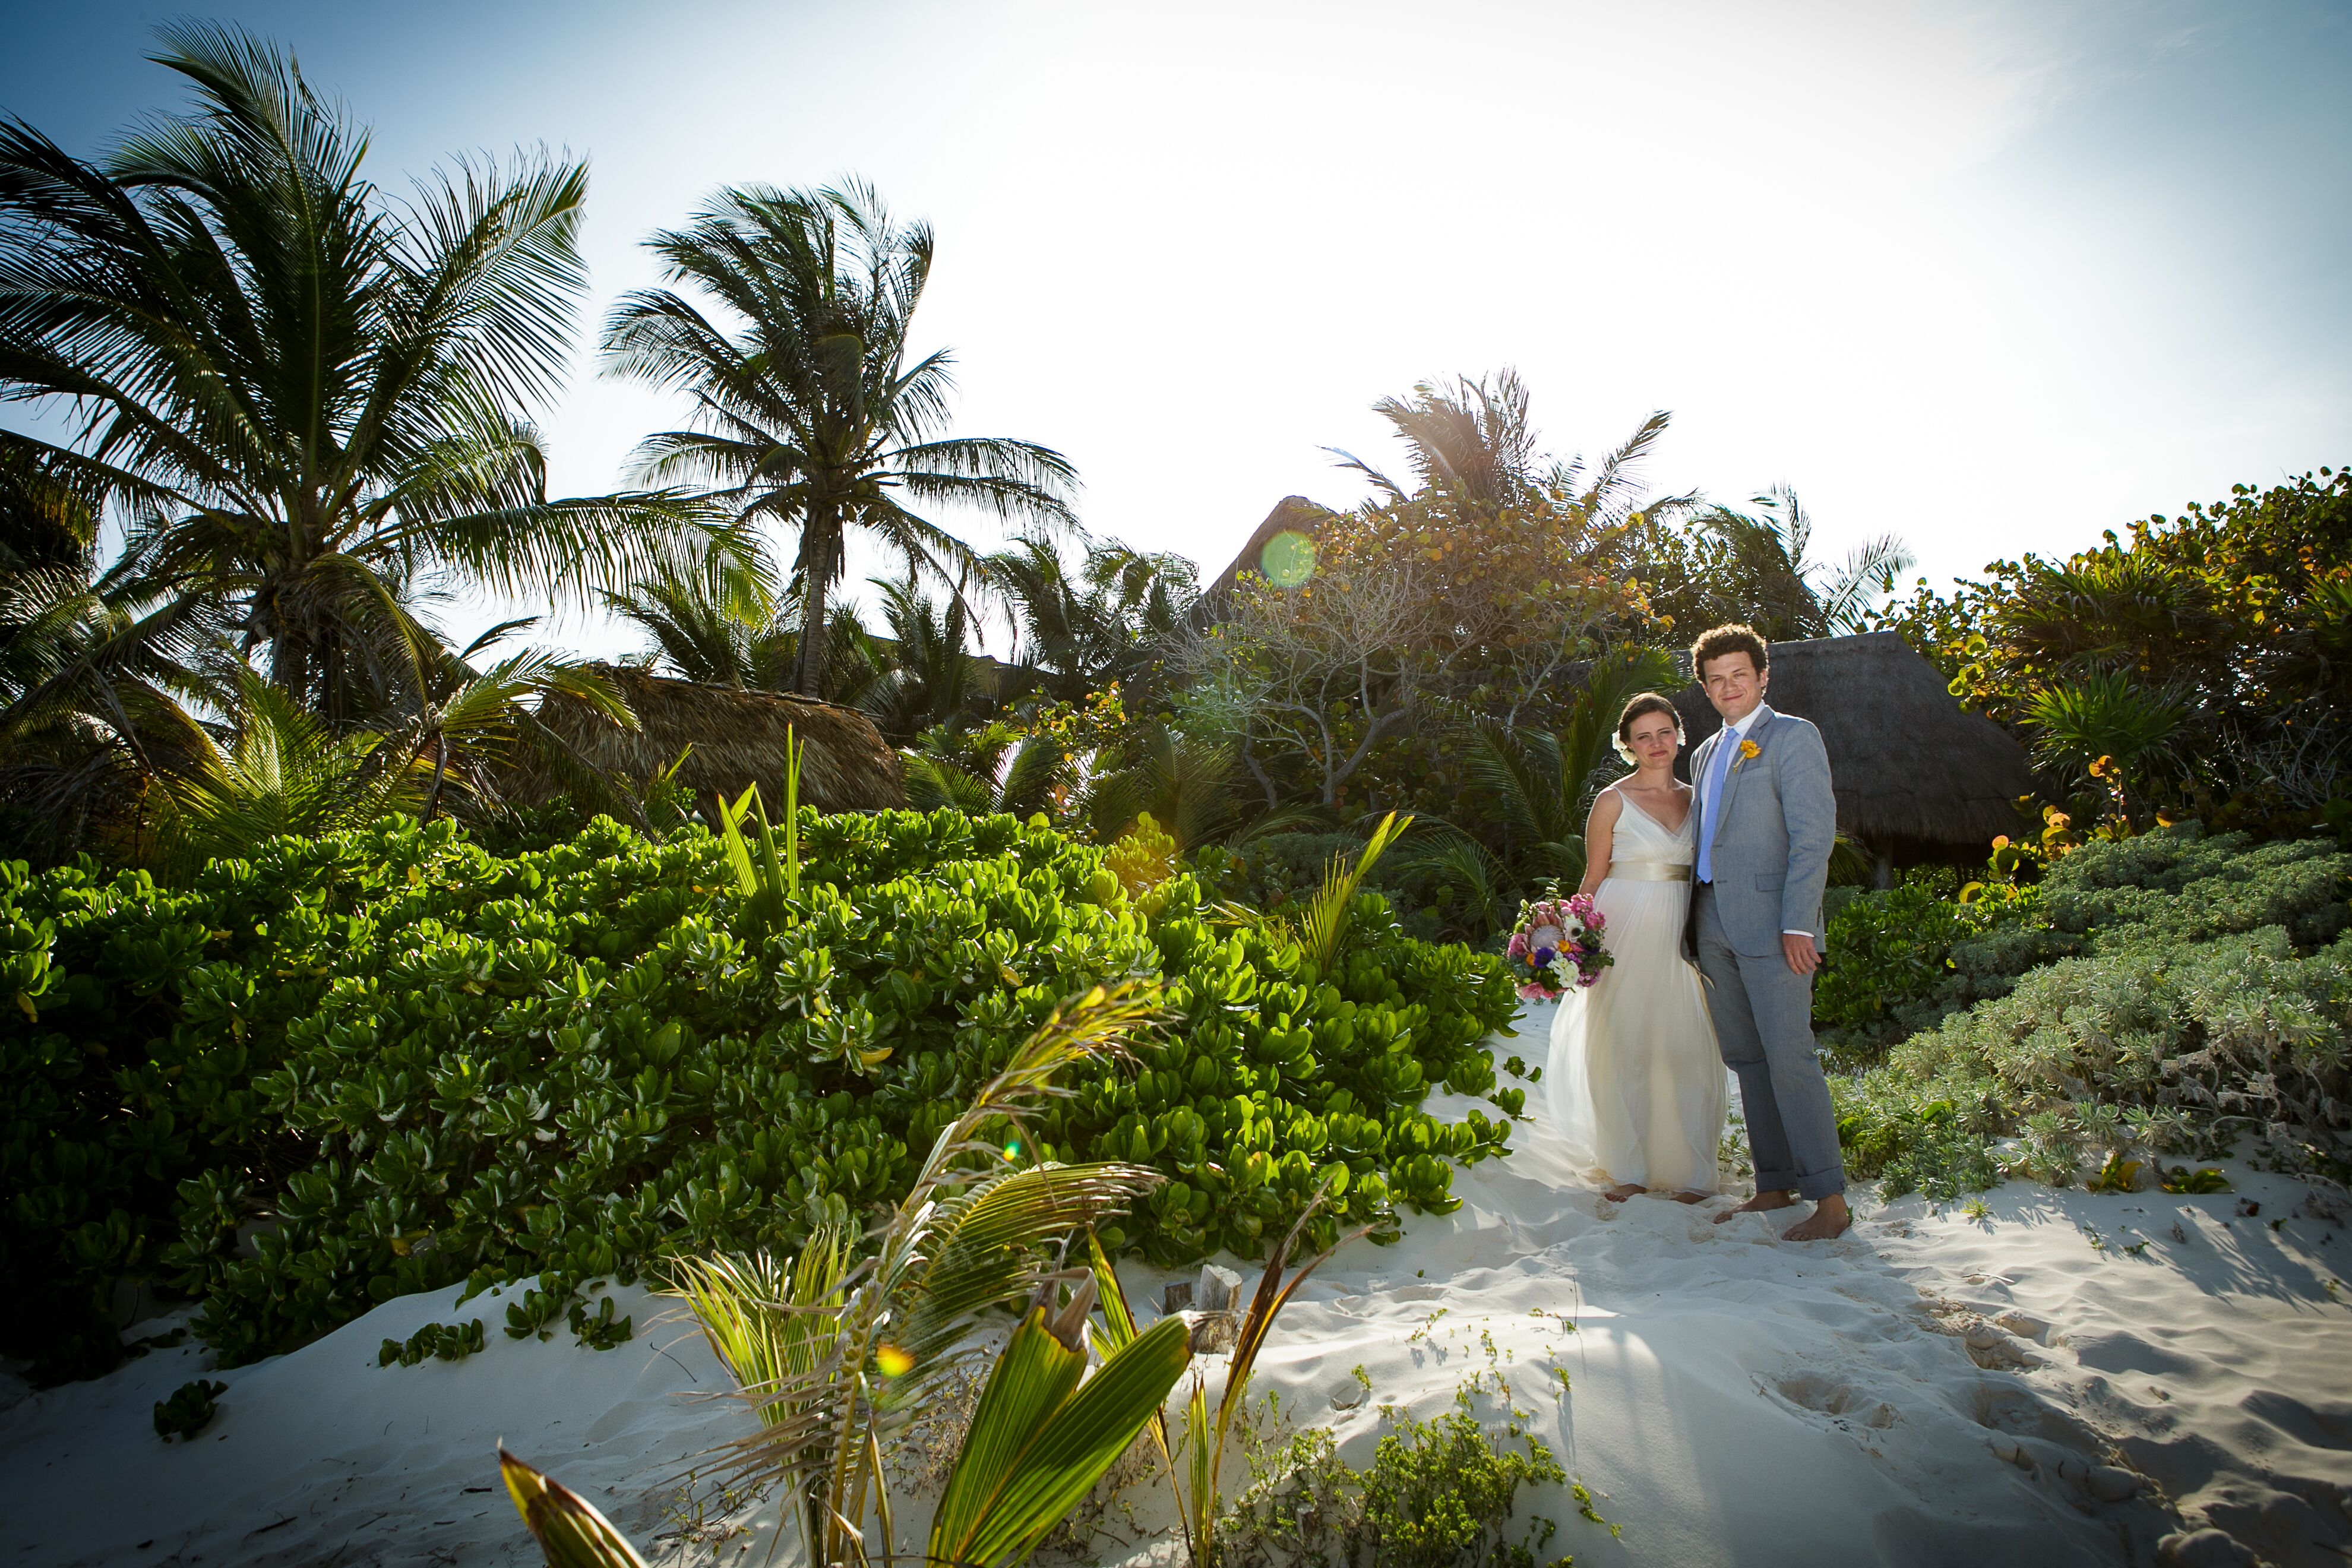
1291,514
1916,777
738,739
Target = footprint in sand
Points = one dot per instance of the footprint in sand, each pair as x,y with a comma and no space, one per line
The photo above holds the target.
1840,1401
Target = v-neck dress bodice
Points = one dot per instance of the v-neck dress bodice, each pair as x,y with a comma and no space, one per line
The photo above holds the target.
1641,839
1638,1092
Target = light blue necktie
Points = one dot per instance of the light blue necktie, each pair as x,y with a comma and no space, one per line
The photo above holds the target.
1717,766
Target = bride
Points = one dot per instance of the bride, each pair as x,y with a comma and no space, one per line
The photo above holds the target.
1636,1086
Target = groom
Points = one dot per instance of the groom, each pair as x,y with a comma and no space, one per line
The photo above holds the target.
1767,821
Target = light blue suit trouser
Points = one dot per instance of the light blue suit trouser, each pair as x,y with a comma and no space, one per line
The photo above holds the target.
1763,1013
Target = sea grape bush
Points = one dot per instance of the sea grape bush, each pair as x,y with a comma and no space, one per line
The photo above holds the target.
388,1060
440,1341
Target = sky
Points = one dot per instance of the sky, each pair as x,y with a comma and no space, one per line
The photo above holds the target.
1990,277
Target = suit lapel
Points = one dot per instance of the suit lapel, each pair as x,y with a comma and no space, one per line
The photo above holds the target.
1731,773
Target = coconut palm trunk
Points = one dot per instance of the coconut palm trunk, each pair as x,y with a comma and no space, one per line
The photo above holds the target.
821,563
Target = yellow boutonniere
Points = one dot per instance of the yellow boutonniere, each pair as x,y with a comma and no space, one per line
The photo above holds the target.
1746,749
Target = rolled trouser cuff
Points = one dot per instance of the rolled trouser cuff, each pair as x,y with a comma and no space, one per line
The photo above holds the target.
1819,1185
1777,1181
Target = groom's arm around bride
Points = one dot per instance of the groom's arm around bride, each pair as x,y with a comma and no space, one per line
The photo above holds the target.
1768,821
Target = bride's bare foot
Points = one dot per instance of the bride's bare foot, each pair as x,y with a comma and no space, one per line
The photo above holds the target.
1830,1219
1758,1205
1621,1191
1692,1197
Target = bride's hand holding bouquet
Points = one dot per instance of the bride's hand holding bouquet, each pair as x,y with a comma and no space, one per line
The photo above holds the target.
1556,946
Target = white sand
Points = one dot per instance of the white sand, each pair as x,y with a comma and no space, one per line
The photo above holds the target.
1735,1399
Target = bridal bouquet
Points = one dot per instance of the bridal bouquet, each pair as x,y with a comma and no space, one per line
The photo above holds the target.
1557,946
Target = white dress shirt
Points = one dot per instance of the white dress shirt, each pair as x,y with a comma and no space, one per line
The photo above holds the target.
1733,735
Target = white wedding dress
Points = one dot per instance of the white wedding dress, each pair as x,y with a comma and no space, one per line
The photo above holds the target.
1638,1091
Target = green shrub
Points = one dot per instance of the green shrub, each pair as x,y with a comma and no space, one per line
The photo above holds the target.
441,1341
387,1060
2199,993
1891,968
189,1410
133,1023
1439,1494
1282,870
1904,959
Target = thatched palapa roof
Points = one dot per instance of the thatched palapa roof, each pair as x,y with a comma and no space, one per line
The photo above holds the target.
1291,514
1907,762
738,738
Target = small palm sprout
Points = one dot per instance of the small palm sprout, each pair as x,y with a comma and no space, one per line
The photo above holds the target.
835,1357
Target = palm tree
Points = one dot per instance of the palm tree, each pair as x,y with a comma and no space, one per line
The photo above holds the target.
1766,569
722,627
931,685
1474,446
708,629
1079,632
1534,792
94,673
305,397
2106,727
468,720
1187,784
1000,771
1536,784
44,520
94,681
806,410
283,772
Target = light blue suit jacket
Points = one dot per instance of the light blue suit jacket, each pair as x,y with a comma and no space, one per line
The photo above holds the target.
1771,833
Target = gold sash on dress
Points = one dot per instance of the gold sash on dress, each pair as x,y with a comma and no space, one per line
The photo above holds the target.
1649,871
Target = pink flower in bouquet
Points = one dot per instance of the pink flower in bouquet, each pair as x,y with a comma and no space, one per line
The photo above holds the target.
1556,946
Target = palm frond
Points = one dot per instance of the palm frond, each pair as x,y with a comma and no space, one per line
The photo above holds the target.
926,1282
807,411
1867,574
1323,927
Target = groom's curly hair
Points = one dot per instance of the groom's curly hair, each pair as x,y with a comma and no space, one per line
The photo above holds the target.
1721,640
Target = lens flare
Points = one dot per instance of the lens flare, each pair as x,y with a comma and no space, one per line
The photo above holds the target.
1288,558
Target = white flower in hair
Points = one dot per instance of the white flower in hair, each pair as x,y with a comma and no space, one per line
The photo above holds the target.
1625,750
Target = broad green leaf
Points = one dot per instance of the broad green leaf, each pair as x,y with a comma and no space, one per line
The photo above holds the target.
739,854
1119,1319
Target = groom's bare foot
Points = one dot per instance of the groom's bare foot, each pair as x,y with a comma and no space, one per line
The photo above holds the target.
1830,1219
1623,1190
1760,1203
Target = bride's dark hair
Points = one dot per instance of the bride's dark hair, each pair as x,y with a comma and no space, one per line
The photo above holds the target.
1646,702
